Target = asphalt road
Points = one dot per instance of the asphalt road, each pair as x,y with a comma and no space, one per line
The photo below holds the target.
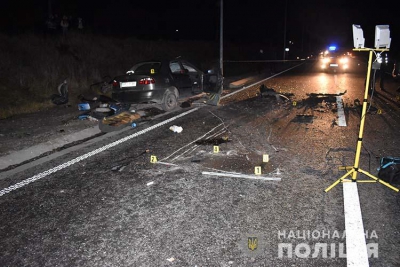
142,198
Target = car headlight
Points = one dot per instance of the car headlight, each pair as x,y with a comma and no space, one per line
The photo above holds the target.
344,60
326,60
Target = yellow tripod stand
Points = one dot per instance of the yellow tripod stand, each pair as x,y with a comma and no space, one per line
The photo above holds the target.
353,170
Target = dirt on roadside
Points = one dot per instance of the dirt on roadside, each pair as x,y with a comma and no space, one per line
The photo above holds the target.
26,130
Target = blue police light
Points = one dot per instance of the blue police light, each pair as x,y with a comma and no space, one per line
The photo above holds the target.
332,48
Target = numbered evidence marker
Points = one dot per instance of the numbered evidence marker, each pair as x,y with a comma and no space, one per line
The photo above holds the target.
294,103
153,159
379,111
216,149
257,170
265,158
152,71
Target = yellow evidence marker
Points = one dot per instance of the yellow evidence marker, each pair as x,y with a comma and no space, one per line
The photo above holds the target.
153,159
257,170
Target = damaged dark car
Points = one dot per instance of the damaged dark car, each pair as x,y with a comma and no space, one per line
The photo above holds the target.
164,82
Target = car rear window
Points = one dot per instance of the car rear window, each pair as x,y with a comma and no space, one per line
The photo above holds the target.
146,68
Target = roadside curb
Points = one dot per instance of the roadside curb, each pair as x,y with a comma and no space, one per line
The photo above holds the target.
26,154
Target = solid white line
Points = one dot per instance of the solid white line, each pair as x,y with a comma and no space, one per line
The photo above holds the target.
356,247
89,154
342,117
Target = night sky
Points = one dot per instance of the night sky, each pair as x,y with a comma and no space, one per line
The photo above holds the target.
308,23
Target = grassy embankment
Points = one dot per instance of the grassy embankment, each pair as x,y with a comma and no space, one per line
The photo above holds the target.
32,66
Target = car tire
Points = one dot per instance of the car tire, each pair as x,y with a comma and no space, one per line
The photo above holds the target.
169,101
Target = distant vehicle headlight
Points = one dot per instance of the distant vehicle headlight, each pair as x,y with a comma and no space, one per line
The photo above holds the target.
344,60
326,60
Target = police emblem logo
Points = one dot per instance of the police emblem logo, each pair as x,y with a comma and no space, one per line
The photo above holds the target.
252,243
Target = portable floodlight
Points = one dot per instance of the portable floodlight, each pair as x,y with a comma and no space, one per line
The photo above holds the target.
382,43
382,36
358,36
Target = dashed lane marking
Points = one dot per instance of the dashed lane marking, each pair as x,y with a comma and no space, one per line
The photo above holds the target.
342,117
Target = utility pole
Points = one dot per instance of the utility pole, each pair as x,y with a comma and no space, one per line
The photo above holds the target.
221,38
284,32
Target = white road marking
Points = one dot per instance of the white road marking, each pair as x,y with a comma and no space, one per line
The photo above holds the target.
89,154
356,247
342,117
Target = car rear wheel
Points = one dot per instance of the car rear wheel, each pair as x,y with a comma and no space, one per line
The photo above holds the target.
169,101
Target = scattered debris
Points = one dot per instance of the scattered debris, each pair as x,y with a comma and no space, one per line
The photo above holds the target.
277,150
192,148
319,95
83,106
176,129
214,141
242,176
118,168
103,109
83,117
122,118
150,183
171,259
87,117
305,115
265,91
62,97
322,110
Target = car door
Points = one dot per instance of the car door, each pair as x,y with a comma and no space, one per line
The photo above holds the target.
195,77
181,78
213,82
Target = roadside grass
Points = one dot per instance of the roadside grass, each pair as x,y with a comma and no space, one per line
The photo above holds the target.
33,66
28,107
